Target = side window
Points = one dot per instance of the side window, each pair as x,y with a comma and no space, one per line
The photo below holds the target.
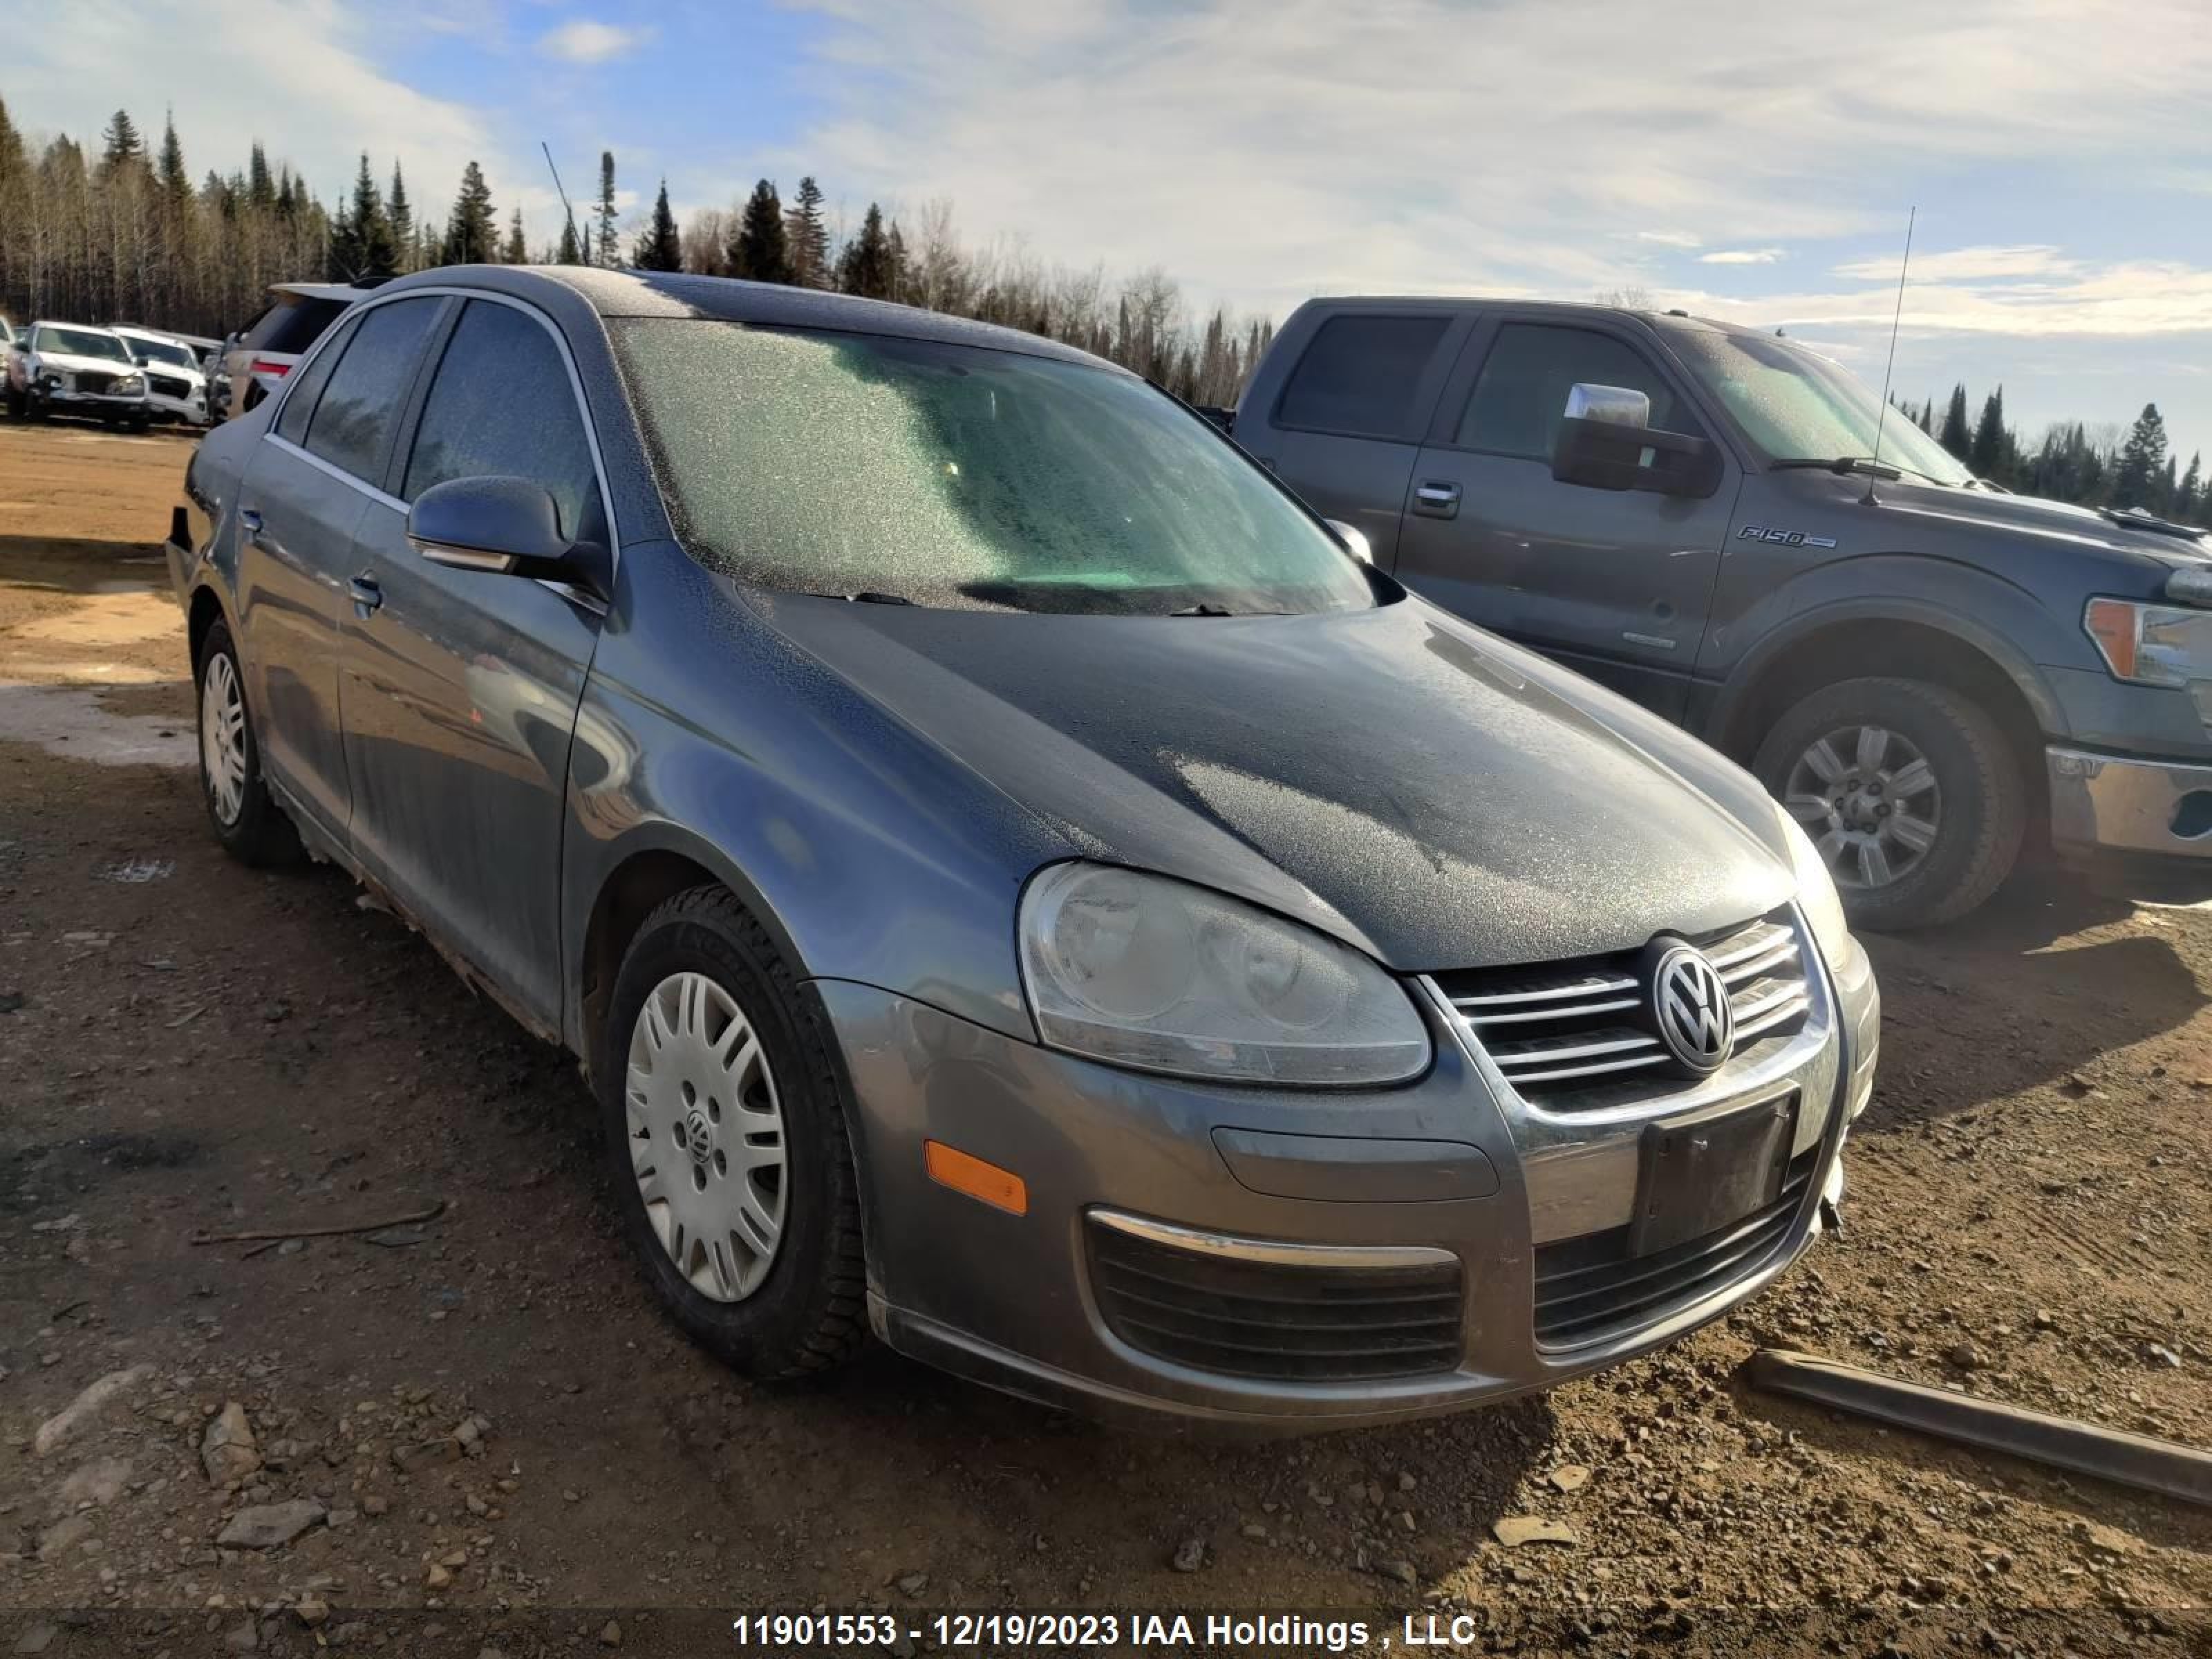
1359,373
353,420
502,406
299,402
1520,396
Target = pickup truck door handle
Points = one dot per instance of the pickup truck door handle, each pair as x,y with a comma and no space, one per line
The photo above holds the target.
252,521
366,594
1435,499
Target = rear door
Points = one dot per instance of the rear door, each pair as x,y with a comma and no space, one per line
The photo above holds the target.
1345,428
1616,584
460,687
310,478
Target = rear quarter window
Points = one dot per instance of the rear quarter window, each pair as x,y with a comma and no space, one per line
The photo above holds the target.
1359,374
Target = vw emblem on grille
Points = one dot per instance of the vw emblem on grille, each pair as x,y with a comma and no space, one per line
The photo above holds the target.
1690,1009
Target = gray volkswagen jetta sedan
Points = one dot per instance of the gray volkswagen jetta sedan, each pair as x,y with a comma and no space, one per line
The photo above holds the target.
1015,880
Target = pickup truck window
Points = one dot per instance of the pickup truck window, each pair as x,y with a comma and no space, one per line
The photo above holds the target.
1794,405
1520,396
1358,375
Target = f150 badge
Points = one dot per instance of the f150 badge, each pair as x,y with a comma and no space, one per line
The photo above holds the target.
1760,533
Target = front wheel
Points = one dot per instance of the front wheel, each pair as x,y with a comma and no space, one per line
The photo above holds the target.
726,1142
17,409
1908,789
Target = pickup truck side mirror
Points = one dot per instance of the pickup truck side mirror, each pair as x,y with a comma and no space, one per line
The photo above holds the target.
502,527
1606,442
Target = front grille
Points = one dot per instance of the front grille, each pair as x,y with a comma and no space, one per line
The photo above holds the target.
1301,1323
1575,1034
1591,1288
169,385
92,379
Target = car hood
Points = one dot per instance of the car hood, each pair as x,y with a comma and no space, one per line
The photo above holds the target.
1405,781
1978,512
70,362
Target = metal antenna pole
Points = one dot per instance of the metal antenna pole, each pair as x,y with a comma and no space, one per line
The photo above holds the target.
1882,417
570,212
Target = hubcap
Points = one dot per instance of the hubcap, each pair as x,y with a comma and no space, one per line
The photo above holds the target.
222,737
1869,800
706,1136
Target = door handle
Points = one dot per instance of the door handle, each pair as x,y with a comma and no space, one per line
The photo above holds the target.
252,521
1434,499
366,596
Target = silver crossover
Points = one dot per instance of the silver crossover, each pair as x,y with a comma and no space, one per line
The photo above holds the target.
1016,880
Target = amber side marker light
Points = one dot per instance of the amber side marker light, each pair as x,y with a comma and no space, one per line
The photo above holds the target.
1002,1189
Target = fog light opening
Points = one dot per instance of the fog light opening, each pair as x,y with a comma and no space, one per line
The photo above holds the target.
1002,1189
2192,815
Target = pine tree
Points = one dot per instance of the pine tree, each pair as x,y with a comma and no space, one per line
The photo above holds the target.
571,251
517,250
176,183
807,235
1957,436
1987,457
370,250
758,252
866,267
607,253
2190,504
659,247
472,234
341,250
404,236
120,144
2142,460
260,187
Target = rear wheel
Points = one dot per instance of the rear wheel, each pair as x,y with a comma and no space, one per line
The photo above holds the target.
1908,789
247,821
726,1142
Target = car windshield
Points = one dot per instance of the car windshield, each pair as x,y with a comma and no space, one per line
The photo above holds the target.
964,478
82,342
165,351
1796,406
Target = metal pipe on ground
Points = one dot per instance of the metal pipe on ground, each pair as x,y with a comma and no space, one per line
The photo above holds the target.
2134,1460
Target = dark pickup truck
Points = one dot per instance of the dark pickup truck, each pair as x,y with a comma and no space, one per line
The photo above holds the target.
1919,666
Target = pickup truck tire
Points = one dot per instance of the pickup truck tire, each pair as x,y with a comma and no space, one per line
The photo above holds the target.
1910,792
247,820
692,1104
17,409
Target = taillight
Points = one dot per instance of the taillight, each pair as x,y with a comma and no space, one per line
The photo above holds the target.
269,365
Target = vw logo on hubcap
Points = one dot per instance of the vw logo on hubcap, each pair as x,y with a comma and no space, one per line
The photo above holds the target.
1690,1009
698,1135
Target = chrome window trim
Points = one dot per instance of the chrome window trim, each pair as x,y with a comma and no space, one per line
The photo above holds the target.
453,291
1276,1252
333,470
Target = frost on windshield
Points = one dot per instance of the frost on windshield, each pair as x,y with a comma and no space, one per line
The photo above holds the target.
952,475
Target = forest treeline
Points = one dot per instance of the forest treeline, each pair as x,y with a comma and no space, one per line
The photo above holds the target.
122,232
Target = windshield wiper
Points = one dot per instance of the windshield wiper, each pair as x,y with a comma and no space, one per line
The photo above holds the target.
1202,609
1844,465
866,596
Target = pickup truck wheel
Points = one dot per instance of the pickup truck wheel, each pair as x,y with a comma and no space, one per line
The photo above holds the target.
247,820
1908,789
17,409
726,1143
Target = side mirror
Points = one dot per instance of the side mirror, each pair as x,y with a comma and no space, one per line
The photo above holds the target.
1606,442
502,526
1354,540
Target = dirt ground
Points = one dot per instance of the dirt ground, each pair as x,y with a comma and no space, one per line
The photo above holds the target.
500,1444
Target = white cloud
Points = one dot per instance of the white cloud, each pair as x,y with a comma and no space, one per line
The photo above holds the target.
1970,265
1671,238
586,41
1742,256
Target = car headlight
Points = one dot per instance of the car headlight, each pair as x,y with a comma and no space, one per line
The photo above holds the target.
1816,890
1152,973
130,383
2150,644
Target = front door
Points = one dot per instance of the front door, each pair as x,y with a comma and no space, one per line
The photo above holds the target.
1616,584
459,686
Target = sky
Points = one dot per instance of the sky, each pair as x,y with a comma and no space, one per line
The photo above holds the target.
1736,158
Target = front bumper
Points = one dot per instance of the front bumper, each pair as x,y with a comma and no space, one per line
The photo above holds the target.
88,402
2118,804
1451,1174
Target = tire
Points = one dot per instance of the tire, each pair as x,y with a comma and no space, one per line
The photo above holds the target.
18,409
801,1309
1965,804
247,818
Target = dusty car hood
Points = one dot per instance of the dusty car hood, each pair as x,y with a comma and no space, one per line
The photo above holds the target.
69,363
1416,786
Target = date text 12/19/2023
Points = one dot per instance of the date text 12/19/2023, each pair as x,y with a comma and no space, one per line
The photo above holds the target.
1168,1632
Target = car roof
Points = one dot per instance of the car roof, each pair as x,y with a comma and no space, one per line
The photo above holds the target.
321,290
81,328
666,294
1681,321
